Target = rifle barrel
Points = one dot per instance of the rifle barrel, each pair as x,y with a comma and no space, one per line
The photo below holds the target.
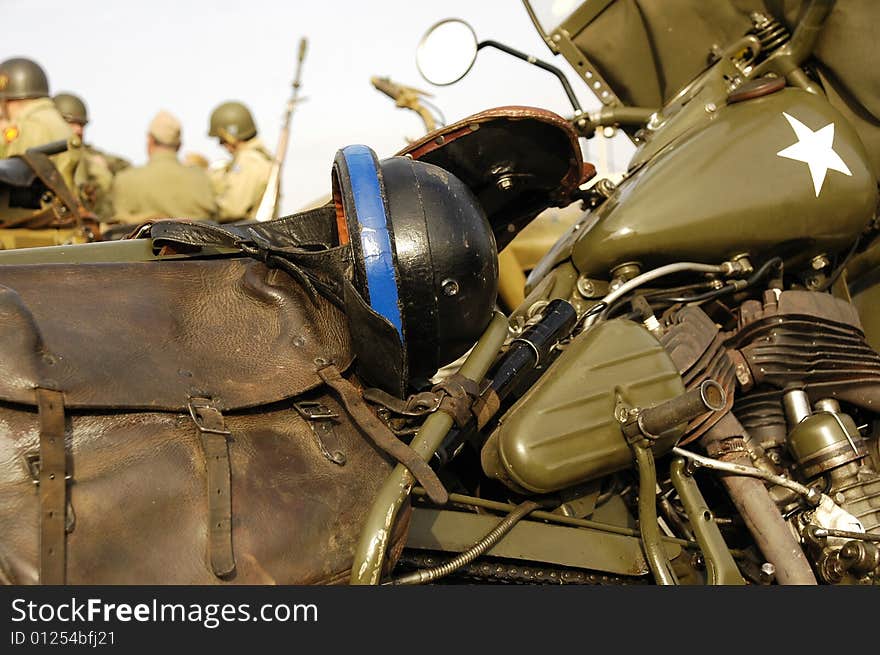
268,208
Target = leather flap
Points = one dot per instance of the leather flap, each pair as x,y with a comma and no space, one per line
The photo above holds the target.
150,335
517,160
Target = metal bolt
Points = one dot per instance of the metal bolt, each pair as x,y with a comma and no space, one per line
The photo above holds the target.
744,262
710,107
505,182
768,570
819,262
815,281
605,187
449,286
585,287
625,272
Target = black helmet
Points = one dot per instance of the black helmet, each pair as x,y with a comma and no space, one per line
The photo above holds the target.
22,78
425,265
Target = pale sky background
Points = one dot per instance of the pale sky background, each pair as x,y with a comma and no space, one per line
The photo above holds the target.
129,58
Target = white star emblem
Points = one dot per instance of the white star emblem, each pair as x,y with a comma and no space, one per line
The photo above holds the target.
815,150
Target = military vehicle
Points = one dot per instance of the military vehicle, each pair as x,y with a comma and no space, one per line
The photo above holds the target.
687,394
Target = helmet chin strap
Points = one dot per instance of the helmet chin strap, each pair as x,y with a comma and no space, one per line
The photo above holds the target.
227,138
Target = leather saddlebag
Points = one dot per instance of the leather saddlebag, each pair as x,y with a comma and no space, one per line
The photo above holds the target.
166,423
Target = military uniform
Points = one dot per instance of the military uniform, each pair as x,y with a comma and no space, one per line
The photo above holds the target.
240,183
94,180
163,188
40,123
37,124
115,163
94,176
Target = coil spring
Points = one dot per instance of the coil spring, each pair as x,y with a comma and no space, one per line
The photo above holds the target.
770,32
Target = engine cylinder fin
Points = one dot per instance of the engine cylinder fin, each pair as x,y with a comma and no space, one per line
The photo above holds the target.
696,347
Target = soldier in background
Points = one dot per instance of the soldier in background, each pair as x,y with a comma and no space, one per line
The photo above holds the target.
73,109
163,188
94,176
241,182
28,117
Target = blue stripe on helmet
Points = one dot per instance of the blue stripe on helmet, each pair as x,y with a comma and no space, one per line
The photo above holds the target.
375,239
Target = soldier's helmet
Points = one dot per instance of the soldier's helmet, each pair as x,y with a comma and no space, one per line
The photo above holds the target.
232,121
72,108
425,265
22,78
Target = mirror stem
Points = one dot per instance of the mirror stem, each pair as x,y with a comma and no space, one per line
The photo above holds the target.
540,64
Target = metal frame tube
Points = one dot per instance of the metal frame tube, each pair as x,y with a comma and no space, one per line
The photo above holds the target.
655,554
721,569
369,555
551,517
426,576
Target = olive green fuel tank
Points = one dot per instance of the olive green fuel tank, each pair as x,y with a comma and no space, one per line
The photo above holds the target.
780,174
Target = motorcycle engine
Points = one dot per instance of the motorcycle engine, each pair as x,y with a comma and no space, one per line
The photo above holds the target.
800,378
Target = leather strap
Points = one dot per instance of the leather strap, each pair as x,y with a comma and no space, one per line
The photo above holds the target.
458,400
314,229
53,487
304,245
382,436
418,404
213,434
51,177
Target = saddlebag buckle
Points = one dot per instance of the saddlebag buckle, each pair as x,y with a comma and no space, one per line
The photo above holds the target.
207,417
321,419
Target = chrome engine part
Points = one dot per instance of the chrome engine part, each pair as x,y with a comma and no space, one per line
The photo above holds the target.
788,364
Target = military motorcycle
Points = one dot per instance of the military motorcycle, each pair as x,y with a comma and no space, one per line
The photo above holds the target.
687,394
767,253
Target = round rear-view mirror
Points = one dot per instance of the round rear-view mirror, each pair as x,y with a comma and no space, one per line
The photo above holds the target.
447,52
